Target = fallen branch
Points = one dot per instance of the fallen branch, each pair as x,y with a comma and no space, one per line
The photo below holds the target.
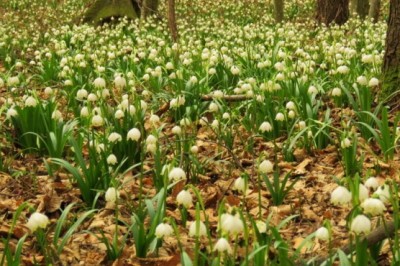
228,98
384,231
208,97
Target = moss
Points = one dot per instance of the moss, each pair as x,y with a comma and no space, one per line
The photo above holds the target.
104,9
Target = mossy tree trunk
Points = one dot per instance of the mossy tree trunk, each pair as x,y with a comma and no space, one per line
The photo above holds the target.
279,7
329,11
391,61
374,9
362,8
149,7
103,10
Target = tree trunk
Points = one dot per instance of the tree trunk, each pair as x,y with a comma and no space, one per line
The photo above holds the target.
353,6
329,11
374,9
103,10
362,8
149,7
279,6
391,61
172,20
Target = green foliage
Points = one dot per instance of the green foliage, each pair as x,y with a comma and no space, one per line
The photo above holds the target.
278,188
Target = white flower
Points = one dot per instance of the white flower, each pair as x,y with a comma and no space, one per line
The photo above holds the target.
56,115
177,174
362,80
37,220
213,107
193,80
215,124
223,245
226,115
212,71
336,92
99,83
384,193
13,81
119,82
280,76
361,224
312,90
97,121
68,82
363,193
176,130
279,117
143,105
112,159
346,143
119,114
240,185
302,125
173,103
154,119
184,198
266,167
322,234
217,94
105,93
185,122
163,230
114,137
203,121
11,113
373,206
194,149
92,97
372,182
132,110
231,223
30,102
340,195
291,114
265,127
261,226
373,82
343,69
181,100
290,105
151,148
112,194
133,134
235,70
81,94
151,139
48,91
84,112
197,228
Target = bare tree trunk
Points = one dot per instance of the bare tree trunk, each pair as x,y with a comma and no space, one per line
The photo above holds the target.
362,8
279,6
329,11
149,7
172,20
374,9
391,61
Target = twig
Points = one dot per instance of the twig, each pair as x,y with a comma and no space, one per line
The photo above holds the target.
384,231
